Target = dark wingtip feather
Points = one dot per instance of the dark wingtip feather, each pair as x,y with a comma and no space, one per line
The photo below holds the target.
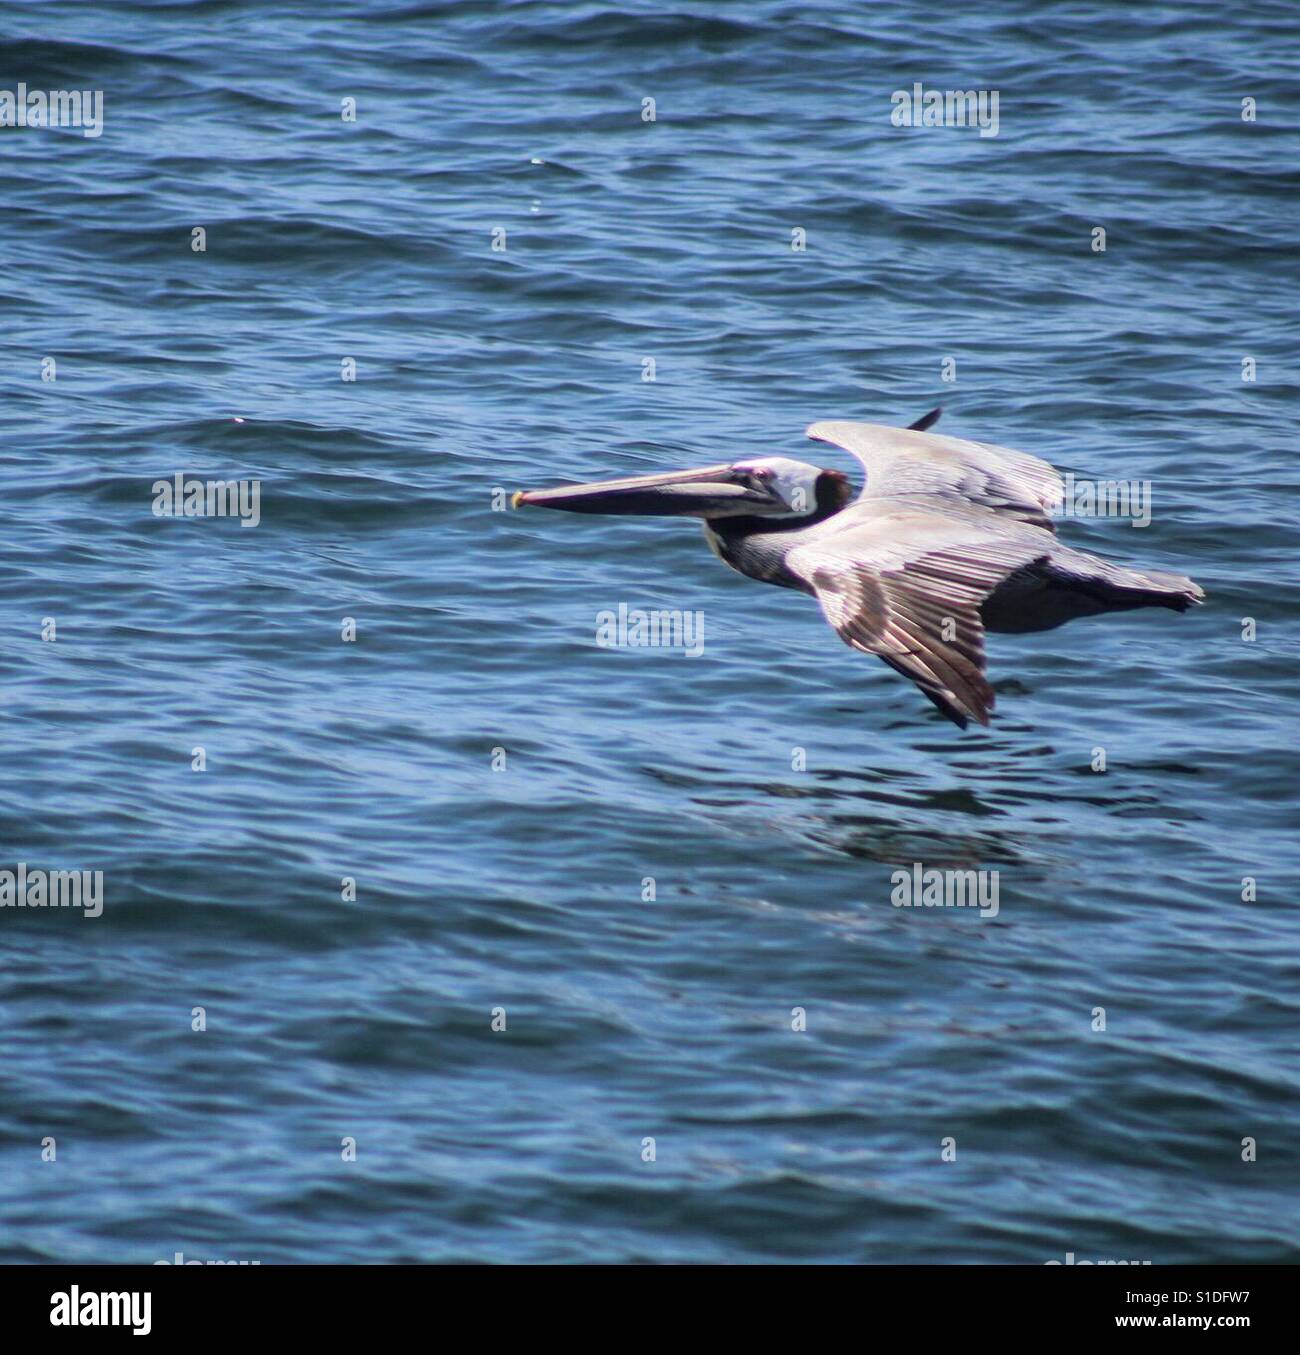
926,420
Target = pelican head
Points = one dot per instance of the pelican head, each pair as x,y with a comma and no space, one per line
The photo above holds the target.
769,486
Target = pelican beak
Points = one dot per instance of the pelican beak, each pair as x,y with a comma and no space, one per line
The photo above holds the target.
714,491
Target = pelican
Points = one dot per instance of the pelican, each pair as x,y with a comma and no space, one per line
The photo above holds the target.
948,539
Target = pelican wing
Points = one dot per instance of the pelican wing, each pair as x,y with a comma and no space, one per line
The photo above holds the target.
905,583
908,462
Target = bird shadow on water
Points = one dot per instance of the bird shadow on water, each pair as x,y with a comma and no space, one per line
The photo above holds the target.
884,814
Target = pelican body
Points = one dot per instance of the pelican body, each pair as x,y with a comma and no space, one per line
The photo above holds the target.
948,540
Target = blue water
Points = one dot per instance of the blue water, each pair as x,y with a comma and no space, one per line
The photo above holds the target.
521,886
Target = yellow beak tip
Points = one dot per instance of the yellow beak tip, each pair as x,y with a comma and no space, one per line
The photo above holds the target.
515,497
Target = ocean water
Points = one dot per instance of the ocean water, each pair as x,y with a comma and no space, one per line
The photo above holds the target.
646,860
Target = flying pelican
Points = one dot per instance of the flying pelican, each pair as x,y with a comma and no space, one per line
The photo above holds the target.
947,539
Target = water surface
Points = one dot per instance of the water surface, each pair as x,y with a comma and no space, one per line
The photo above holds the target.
523,886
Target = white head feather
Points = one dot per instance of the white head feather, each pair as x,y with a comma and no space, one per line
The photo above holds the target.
795,482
